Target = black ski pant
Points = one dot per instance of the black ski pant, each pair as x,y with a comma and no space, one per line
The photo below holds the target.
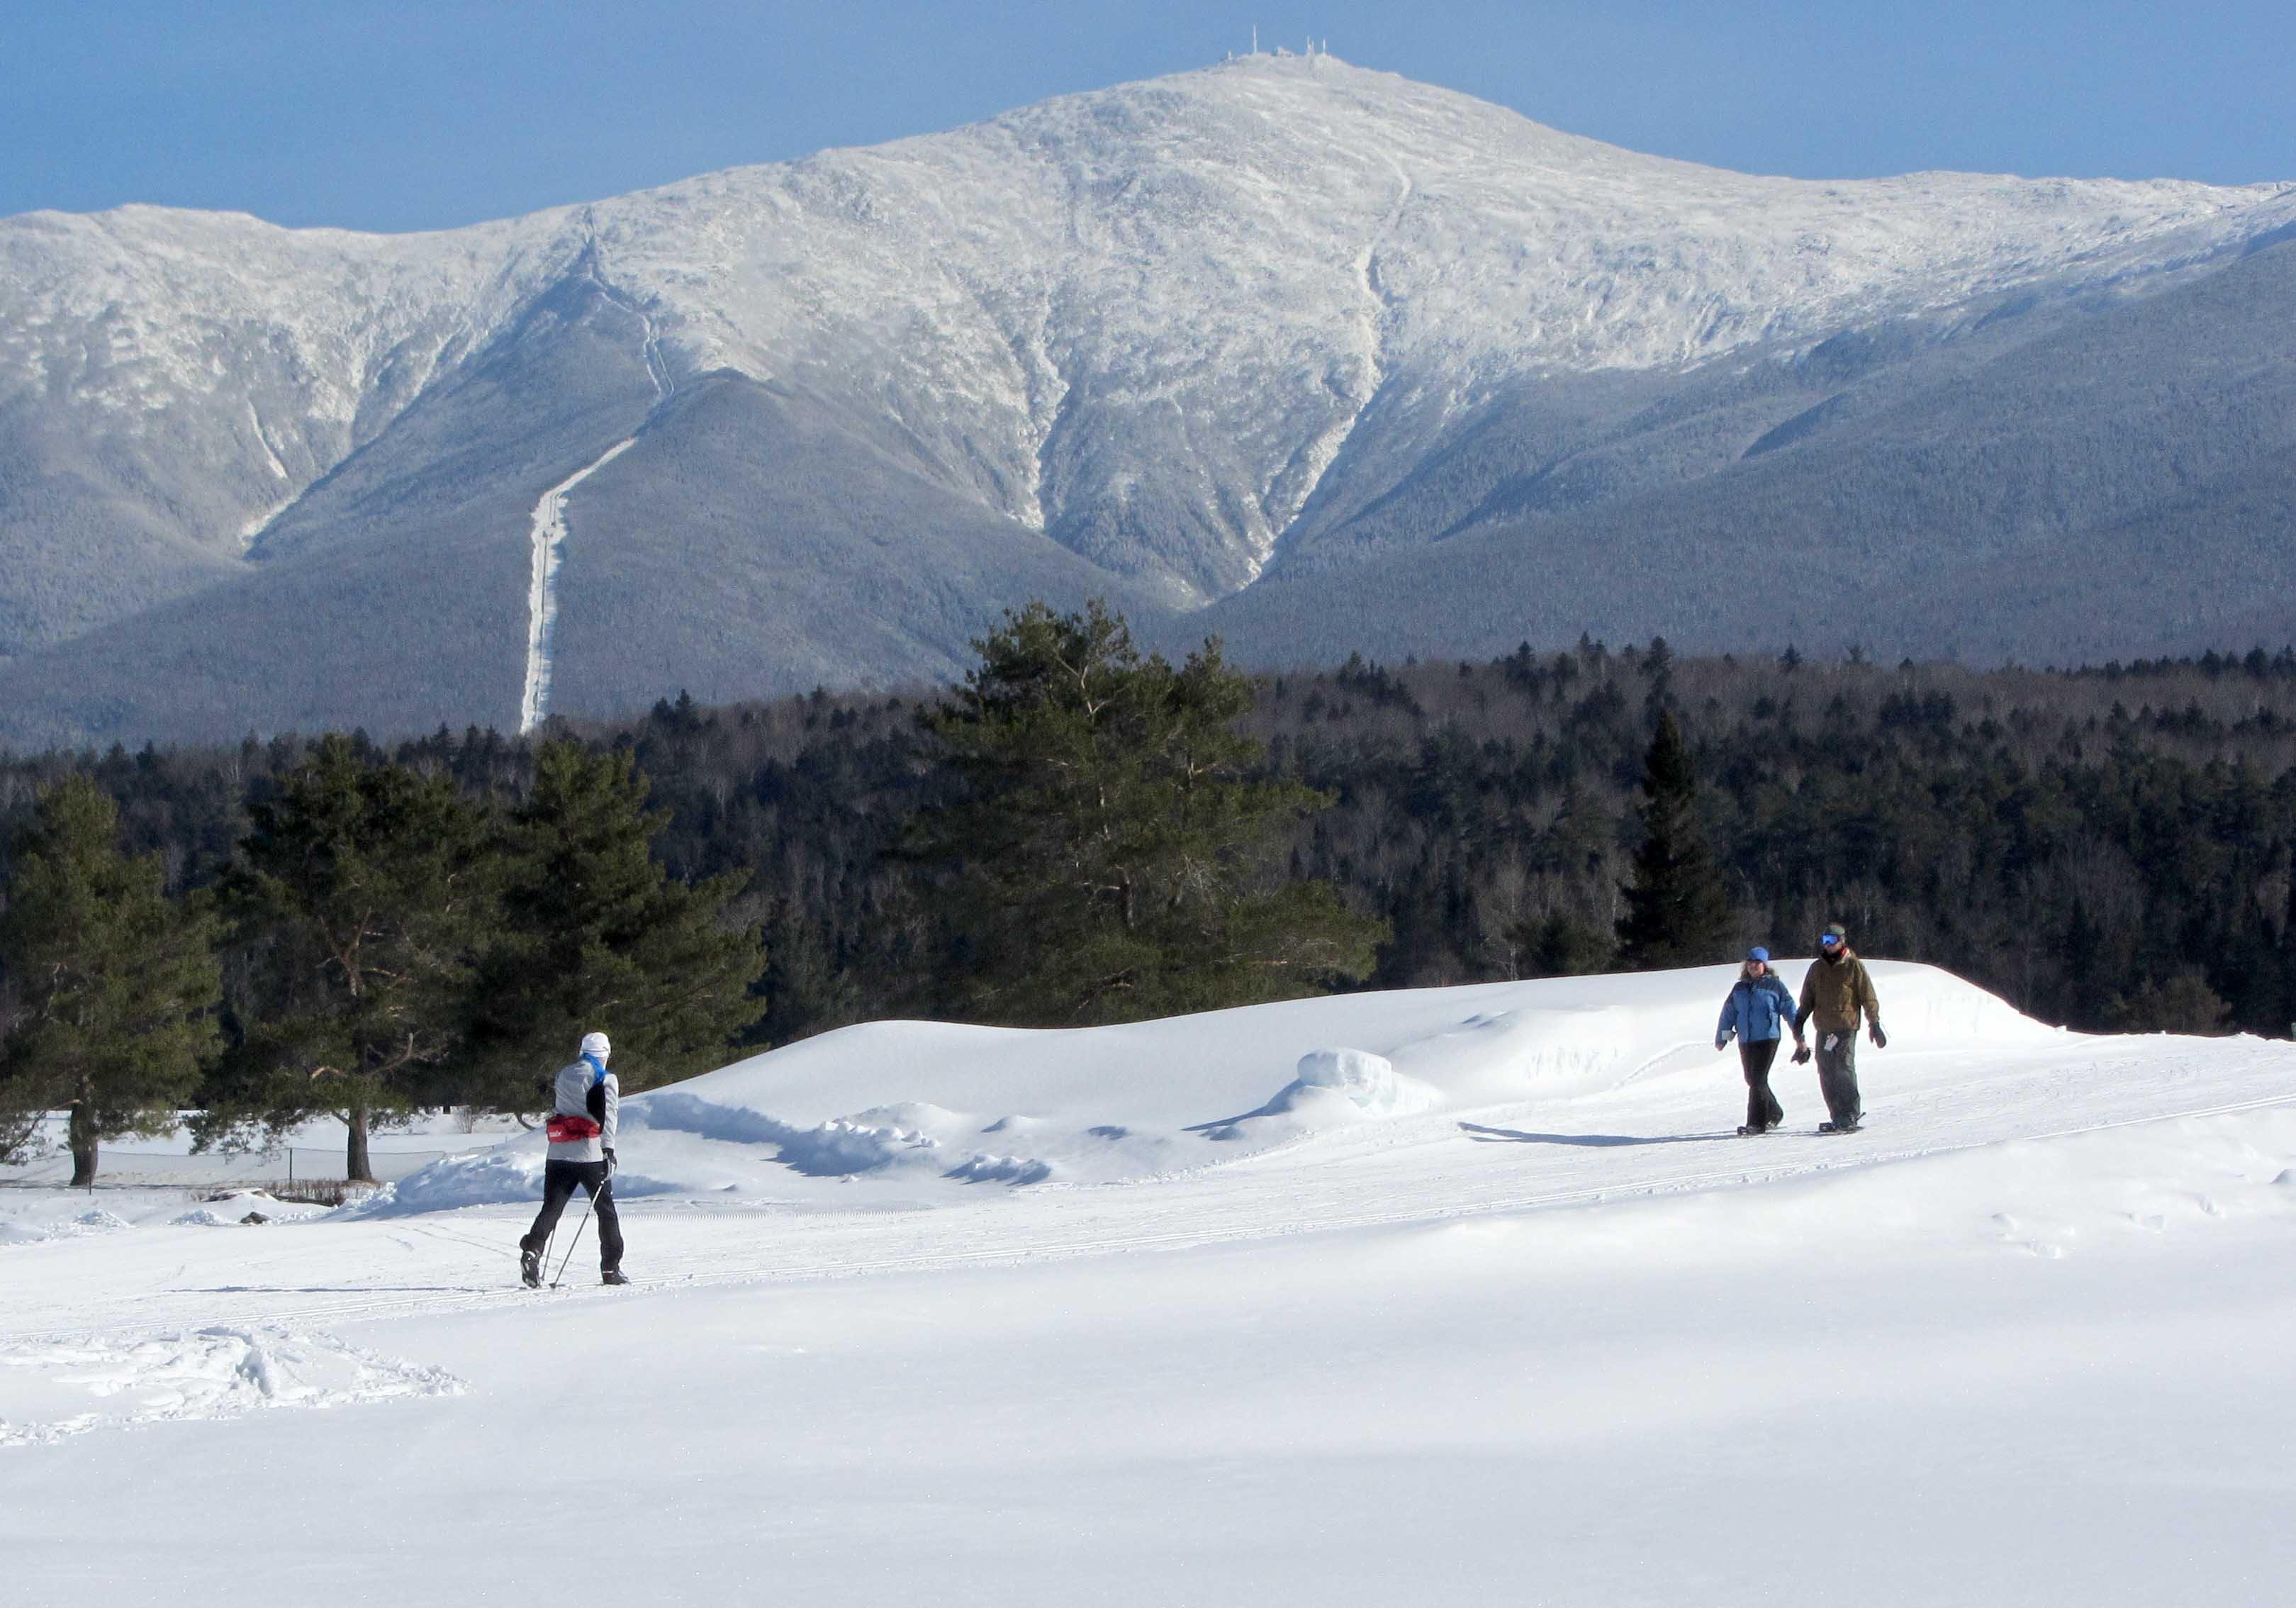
1762,1107
1836,1075
559,1180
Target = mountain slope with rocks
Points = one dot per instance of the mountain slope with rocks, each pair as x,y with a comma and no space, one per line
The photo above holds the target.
1310,354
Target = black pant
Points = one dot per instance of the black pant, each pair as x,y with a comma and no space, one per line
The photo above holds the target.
559,1180
1762,1107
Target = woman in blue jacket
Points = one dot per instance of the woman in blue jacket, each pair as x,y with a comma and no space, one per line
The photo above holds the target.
1758,1014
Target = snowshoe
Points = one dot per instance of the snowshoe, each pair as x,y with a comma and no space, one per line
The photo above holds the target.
530,1268
614,1276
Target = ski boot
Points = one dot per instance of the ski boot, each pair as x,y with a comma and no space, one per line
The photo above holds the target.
614,1276
530,1268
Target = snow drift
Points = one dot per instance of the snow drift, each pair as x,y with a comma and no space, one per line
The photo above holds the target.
937,1104
50,1391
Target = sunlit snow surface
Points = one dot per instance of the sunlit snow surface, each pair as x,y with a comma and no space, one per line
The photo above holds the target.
1451,1296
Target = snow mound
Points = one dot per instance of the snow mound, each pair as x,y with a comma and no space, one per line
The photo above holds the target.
1000,1170
864,1141
1370,1082
50,1391
94,1221
508,1172
907,1104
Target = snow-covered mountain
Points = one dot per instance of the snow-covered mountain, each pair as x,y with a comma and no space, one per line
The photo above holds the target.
1283,319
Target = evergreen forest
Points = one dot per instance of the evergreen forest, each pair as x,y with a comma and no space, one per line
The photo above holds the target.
1085,834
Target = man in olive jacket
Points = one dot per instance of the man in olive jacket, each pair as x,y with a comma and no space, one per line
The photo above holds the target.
1837,991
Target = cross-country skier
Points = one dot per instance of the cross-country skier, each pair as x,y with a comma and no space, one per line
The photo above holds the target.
581,1129
1756,1012
1836,991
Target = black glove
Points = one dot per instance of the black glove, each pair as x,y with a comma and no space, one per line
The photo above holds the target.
1801,1053
1880,1039
609,1160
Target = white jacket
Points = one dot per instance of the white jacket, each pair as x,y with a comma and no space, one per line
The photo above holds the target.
587,1112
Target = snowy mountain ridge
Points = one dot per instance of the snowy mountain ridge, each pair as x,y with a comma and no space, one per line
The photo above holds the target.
1293,230
1151,322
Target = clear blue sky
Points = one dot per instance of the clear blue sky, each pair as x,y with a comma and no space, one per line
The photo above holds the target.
419,114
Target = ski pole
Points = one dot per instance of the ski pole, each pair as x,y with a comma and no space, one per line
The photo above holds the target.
573,1244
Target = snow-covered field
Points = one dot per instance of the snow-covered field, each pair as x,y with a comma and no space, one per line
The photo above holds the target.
1458,1296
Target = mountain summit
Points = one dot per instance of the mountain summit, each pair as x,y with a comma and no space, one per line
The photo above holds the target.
1311,355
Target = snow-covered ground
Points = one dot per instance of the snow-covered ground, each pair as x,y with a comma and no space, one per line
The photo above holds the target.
1455,1296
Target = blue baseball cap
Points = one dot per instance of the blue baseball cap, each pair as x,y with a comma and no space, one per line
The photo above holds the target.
1758,953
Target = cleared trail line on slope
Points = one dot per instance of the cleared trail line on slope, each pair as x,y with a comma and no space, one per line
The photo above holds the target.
548,530
549,538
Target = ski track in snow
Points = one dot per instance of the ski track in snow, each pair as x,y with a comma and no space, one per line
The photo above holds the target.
1442,1166
2032,1314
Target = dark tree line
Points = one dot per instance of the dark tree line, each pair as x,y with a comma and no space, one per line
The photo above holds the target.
375,937
2110,848
2107,848
358,933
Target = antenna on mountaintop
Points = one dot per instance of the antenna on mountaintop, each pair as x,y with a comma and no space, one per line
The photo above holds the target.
1255,38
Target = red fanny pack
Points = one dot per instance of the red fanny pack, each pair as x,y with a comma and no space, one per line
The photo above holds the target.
570,1130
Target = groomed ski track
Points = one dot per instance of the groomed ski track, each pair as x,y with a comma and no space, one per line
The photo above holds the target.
1672,1134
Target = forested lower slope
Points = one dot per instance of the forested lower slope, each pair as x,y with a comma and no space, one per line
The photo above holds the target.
2110,848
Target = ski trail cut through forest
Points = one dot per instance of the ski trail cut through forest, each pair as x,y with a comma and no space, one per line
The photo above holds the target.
549,537
549,527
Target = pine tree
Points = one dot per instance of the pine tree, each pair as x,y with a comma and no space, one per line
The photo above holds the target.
360,895
1112,859
806,990
114,986
1678,909
593,934
1562,946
